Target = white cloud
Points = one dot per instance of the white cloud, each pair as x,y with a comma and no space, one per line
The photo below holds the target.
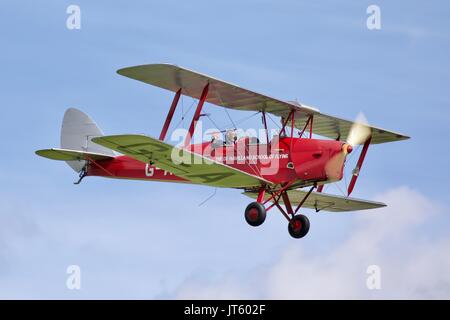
226,288
412,265
36,248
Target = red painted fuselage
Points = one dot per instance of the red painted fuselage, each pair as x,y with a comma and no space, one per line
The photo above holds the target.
285,160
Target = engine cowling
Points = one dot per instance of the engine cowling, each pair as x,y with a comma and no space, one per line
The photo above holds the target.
312,157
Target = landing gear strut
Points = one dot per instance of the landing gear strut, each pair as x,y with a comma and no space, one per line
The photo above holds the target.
298,225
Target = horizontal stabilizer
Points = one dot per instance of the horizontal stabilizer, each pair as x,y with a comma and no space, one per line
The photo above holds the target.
326,202
71,155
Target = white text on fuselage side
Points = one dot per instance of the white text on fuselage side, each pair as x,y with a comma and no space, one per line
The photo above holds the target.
252,157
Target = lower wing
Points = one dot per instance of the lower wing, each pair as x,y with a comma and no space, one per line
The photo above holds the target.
198,169
326,202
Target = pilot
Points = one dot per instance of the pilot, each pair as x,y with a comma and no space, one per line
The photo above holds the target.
216,141
230,137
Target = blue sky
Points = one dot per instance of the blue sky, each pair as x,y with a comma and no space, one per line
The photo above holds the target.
149,240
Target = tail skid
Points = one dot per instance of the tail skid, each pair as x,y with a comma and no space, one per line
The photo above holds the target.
74,156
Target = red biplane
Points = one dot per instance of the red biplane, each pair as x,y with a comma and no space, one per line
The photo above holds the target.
273,173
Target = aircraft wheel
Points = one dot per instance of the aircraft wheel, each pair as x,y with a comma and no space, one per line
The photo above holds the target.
255,214
298,227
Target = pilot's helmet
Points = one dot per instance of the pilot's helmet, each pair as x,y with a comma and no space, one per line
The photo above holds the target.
230,136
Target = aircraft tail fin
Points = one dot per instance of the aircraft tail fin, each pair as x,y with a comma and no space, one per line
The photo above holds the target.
77,131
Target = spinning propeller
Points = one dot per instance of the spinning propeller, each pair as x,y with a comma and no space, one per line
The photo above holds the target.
359,132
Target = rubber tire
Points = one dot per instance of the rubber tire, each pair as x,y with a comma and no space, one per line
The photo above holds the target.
304,226
261,210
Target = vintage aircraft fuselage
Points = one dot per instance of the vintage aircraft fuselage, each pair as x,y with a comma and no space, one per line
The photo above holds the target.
283,160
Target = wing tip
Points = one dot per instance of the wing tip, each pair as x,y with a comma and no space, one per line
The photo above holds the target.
379,204
124,71
40,152
47,153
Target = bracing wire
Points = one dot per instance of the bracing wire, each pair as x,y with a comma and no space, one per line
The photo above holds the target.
225,108
231,119
185,113
345,181
337,185
273,121
182,110
213,122
243,119
209,198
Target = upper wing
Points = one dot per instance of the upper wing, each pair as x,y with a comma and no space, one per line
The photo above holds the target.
221,93
326,202
71,155
197,169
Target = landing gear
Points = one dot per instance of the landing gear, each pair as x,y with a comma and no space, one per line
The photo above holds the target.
298,227
83,173
255,214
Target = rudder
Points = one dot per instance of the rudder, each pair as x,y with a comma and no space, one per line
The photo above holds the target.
76,133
